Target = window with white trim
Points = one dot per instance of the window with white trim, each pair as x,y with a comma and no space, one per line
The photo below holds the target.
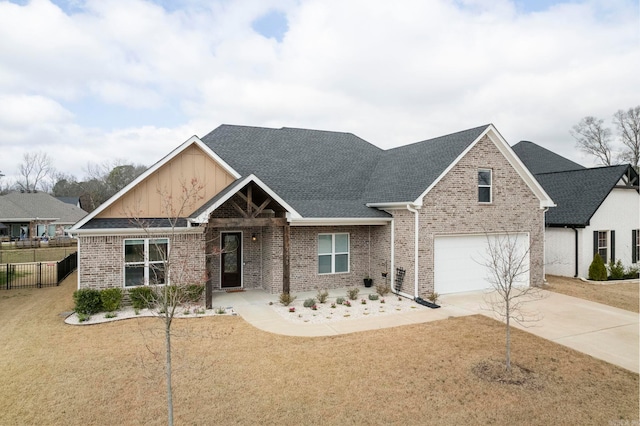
484,186
603,245
145,261
333,253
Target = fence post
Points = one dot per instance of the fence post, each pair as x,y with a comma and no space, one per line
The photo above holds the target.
39,273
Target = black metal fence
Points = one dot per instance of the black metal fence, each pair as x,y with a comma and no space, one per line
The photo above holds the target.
36,274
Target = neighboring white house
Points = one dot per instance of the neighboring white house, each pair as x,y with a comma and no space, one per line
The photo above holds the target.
598,211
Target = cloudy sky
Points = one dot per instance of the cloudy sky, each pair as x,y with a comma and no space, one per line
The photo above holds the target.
94,80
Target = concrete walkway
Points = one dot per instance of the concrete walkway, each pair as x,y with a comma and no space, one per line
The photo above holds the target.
604,332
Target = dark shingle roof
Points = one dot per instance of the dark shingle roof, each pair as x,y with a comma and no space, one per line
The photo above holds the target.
332,174
125,223
404,173
541,160
579,193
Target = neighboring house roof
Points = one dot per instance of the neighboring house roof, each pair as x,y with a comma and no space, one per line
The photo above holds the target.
29,206
541,160
579,193
75,201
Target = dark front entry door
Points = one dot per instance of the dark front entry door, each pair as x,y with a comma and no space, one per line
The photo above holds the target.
231,260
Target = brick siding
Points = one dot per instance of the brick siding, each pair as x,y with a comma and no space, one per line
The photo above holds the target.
452,207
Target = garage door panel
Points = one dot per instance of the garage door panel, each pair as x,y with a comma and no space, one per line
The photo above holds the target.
460,261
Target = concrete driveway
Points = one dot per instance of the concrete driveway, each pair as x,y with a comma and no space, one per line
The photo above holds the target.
602,331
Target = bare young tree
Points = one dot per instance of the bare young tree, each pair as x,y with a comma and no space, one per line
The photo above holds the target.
35,170
170,279
507,261
594,139
628,124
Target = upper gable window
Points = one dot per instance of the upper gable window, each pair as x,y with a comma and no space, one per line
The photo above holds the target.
484,186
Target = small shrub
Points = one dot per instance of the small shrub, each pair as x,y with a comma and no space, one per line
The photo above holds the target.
141,297
87,301
340,300
200,311
308,303
632,272
352,293
83,317
193,292
322,295
616,270
373,297
597,270
347,304
111,299
220,310
286,298
292,309
110,315
383,289
433,297
363,301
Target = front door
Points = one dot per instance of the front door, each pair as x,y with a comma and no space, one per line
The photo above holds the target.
231,260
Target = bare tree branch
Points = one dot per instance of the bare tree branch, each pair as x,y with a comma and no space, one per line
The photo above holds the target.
628,124
34,169
594,139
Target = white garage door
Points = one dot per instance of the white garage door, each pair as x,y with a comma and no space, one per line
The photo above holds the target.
460,261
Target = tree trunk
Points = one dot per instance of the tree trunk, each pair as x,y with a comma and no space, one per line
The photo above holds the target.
167,334
508,350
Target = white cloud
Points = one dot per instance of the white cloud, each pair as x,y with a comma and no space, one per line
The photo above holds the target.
392,73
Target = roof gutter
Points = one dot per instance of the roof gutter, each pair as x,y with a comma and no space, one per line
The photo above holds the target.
133,231
335,221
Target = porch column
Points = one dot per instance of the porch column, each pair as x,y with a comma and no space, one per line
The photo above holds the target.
208,250
286,242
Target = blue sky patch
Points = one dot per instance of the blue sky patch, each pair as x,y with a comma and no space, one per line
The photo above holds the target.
272,24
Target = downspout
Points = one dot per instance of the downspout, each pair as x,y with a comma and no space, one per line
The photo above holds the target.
576,248
416,234
544,247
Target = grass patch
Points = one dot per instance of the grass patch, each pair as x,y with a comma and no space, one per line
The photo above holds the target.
623,295
35,255
227,372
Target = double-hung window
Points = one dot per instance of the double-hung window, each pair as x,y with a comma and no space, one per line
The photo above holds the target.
603,245
145,261
484,186
333,253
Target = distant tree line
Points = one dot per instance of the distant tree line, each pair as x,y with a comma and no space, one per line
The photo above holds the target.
596,139
101,181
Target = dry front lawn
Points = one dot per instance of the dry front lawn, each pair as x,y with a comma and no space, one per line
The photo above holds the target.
227,372
623,296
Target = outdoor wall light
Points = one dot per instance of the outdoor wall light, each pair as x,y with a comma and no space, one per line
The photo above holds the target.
254,237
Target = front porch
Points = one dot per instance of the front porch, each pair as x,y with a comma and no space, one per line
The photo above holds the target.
254,307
